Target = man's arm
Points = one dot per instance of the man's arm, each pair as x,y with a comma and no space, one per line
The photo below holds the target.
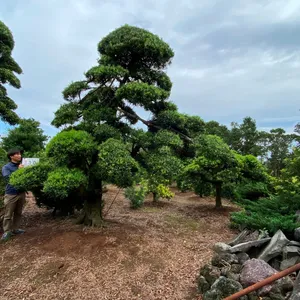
6,173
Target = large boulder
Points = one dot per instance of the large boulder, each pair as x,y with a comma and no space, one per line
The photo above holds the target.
255,270
287,263
222,288
274,248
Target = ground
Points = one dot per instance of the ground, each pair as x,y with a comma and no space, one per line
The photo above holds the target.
152,253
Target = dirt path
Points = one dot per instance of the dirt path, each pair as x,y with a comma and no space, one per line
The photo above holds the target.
153,253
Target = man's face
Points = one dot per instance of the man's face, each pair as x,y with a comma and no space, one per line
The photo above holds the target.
17,157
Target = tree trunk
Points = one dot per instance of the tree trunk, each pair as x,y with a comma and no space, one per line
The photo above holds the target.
155,197
218,195
92,210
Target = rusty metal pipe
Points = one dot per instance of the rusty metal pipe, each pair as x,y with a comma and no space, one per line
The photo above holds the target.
264,282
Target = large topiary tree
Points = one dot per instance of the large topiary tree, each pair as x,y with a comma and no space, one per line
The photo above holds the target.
102,109
8,68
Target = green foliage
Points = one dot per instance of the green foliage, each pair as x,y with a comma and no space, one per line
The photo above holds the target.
115,163
8,68
215,164
61,182
245,138
251,191
269,213
72,148
136,195
27,136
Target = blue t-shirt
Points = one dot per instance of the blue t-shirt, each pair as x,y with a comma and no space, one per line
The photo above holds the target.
7,170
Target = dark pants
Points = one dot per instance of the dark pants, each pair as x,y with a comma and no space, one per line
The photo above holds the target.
13,208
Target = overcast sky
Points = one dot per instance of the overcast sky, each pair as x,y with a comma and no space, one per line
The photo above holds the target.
233,58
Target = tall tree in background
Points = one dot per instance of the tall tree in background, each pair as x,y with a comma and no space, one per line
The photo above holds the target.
279,148
245,138
27,136
8,68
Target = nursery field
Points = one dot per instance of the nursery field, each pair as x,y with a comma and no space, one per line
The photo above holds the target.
152,253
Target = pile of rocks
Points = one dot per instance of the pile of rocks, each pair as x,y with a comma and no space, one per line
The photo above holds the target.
248,259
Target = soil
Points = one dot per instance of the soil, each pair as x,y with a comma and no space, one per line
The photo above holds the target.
152,253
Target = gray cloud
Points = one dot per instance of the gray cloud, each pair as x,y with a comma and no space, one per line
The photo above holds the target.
232,58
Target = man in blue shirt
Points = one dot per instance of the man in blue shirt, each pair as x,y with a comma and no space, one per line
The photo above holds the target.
13,199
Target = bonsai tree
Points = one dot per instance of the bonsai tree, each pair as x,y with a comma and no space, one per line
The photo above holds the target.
214,164
73,173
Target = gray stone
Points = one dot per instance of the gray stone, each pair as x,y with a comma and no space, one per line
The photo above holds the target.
240,238
297,234
222,288
275,296
210,273
252,296
244,247
224,259
275,246
294,243
221,247
236,268
255,270
242,257
203,285
285,284
290,251
233,276
297,215
287,263
296,292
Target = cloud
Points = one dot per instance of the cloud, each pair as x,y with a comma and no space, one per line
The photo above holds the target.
232,58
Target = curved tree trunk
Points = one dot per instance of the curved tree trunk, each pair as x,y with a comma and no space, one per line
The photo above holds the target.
218,195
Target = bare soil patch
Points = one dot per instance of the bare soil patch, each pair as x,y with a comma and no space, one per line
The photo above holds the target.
152,253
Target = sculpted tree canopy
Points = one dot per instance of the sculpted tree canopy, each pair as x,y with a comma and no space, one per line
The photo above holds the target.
8,68
130,73
214,164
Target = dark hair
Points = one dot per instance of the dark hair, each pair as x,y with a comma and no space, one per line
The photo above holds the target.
14,151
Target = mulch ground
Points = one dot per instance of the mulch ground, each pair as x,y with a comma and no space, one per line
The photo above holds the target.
152,253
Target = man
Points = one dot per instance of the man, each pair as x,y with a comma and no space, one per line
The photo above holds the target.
13,199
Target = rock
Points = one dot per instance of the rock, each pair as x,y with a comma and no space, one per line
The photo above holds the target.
275,262
297,215
224,259
294,243
290,251
244,247
203,285
252,296
275,246
221,247
287,263
240,238
297,234
242,257
223,288
296,292
236,268
233,276
255,270
210,273
285,284
275,296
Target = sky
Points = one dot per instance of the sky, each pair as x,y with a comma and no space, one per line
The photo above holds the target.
233,58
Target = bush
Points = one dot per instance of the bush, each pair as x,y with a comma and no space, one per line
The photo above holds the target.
277,212
136,196
251,191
